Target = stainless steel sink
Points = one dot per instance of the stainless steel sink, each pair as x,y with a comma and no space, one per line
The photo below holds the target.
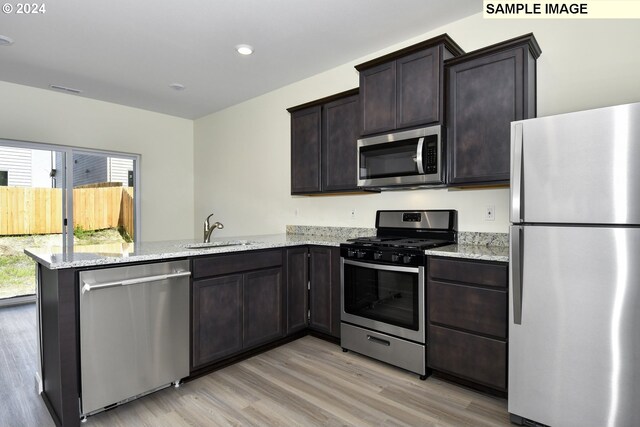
219,244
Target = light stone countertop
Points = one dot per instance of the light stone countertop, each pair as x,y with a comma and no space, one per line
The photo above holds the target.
95,255
473,246
478,252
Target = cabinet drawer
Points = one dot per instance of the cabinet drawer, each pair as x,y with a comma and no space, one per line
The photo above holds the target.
227,264
482,360
466,307
476,272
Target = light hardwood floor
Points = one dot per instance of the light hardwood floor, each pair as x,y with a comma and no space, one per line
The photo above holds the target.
20,404
307,382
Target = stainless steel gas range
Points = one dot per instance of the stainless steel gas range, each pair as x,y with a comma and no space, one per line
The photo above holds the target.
383,286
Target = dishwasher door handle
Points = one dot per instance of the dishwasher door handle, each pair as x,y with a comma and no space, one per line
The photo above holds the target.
86,287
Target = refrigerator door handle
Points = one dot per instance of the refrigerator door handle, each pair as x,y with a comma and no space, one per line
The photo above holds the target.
517,178
517,241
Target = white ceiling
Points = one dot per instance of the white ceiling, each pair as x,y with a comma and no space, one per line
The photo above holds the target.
129,51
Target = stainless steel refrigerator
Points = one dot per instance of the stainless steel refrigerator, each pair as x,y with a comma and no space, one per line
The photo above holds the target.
574,312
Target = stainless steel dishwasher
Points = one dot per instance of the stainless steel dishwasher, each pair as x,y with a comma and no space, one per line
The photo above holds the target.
134,332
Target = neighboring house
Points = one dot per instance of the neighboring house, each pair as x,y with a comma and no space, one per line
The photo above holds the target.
120,170
23,167
91,169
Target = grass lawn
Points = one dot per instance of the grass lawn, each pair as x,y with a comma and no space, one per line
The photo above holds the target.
17,275
17,270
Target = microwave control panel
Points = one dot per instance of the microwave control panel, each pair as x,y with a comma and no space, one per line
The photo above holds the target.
431,157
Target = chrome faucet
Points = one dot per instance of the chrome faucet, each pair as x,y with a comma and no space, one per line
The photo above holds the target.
208,229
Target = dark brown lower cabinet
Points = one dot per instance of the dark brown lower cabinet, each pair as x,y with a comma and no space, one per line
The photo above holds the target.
324,294
235,312
262,307
469,356
217,318
467,312
297,269
313,285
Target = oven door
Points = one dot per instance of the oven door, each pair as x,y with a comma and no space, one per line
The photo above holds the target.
384,298
403,158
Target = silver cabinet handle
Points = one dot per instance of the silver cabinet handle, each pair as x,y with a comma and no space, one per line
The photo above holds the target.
378,341
517,179
517,240
93,286
419,156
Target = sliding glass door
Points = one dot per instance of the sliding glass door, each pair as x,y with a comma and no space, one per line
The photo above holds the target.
61,198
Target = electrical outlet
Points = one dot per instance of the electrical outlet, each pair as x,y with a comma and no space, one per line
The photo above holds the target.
490,213
353,213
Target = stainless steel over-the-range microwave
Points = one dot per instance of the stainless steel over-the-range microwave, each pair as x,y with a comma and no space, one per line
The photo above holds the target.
412,157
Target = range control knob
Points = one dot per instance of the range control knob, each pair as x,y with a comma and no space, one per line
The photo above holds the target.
361,254
377,255
395,257
407,259
351,253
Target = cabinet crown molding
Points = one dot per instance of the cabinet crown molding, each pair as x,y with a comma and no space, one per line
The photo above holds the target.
526,39
443,39
324,100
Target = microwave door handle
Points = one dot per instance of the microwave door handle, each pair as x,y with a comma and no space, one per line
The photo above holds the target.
419,156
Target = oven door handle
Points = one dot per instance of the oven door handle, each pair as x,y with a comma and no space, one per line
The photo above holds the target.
383,266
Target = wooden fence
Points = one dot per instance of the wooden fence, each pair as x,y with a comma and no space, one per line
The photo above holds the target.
26,210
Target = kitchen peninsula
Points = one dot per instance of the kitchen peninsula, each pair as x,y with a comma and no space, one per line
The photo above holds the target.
262,279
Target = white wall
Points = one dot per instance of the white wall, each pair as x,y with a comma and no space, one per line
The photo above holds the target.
242,154
164,142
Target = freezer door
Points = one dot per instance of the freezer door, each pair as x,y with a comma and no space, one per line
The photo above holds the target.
574,357
579,167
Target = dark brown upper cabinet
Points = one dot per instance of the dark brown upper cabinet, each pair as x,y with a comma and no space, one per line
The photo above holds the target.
305,150
406,88
324,134
487,89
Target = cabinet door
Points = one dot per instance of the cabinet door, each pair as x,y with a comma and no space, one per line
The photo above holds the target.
217,318
305,150
378,98
297,279
263,307
485,95
339,144
418,88
324,296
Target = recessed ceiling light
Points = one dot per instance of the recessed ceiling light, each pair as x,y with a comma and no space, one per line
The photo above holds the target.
65,89
244,49
5,41
177,86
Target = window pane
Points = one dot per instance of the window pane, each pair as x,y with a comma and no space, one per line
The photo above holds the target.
30,213
103,201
